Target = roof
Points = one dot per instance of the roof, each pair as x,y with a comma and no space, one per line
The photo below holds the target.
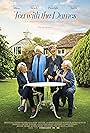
23,42
70,40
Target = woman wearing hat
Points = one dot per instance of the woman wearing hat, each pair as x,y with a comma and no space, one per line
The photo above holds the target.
38,67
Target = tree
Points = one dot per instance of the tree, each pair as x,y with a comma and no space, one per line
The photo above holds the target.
6,59
88,32
27,54
81,61
28,50
40,41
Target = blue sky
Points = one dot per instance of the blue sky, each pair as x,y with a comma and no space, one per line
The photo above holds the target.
49,28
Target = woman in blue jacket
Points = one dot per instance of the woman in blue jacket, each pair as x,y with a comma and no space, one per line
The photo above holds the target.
69,89
25,77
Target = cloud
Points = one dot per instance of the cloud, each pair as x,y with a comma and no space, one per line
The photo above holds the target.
6,5
66,2
7,8
48,30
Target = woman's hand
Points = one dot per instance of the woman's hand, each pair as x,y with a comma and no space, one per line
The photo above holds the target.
45,72
58,74
65,80
56,77
50,77
62,77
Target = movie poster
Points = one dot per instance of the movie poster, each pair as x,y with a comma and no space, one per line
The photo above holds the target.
61,22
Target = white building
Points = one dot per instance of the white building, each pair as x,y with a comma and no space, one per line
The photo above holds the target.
17,47
64,45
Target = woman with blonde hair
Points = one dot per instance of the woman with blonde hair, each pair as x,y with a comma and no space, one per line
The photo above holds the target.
23,78
69,89
53,63
38,66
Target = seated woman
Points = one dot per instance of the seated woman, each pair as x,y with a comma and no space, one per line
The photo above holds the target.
69,89
23,78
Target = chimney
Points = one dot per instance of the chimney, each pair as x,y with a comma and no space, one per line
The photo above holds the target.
27,34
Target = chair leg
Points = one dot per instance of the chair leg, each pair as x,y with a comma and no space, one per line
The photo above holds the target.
26,104
40,102
74,106
35,99
52,106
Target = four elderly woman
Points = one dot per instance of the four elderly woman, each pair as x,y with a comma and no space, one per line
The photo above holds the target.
55,69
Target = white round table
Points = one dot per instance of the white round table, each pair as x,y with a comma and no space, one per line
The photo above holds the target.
45,84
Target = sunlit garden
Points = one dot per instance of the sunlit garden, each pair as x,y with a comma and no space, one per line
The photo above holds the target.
12,121
10,100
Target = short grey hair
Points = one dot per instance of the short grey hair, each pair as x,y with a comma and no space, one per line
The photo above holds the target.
39,48
20,65
68,63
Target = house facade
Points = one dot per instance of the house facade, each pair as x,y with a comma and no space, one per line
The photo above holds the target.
64,45
18,47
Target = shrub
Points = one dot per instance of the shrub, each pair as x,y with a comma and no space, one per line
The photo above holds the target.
81,61
6,59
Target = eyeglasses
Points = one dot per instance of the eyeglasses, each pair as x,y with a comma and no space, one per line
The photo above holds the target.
53,50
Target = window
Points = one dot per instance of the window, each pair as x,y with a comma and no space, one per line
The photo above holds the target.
17,50
61,52
45,52
14,50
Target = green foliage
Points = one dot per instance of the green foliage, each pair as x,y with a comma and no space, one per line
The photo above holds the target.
28,51
6,59
40,41
88,32
81,61
10,100
27,55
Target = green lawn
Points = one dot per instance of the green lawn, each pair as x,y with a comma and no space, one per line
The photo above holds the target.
9,101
